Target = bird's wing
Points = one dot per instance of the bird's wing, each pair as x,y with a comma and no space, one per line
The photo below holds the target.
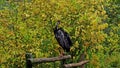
60,38
68,38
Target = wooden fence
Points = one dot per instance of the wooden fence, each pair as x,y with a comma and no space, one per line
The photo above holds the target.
30,61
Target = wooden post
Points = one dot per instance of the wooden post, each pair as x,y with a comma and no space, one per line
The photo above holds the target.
62,63
82,57
28,62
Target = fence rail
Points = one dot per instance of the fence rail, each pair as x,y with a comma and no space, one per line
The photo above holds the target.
76,64
30,61
53,59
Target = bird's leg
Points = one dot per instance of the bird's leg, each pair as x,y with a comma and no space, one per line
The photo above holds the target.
61,55
61,52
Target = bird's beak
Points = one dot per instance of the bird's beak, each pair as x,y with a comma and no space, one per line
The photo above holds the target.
58,22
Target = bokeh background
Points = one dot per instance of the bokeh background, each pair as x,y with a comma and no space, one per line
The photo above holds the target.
26,26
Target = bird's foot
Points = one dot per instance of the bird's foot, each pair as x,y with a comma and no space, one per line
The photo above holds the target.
62,54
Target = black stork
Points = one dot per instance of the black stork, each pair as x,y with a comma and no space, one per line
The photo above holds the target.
62,38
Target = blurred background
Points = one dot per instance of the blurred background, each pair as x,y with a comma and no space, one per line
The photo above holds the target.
26,26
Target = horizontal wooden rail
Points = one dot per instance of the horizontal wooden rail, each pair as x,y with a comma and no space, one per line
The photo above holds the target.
53,59
76,64
30,60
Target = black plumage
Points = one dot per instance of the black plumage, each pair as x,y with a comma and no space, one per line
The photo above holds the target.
62,38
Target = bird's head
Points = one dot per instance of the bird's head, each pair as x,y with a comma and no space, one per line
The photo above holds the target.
58,22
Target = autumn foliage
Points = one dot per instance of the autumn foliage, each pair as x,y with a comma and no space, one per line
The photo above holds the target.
26,26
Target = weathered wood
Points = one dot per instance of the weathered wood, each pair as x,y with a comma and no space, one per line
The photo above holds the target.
42,60
62,63
76,64
28,63
82,57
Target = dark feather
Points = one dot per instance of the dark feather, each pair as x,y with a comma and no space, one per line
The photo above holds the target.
63,38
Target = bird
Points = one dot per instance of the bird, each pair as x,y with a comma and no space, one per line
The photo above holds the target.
62,37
